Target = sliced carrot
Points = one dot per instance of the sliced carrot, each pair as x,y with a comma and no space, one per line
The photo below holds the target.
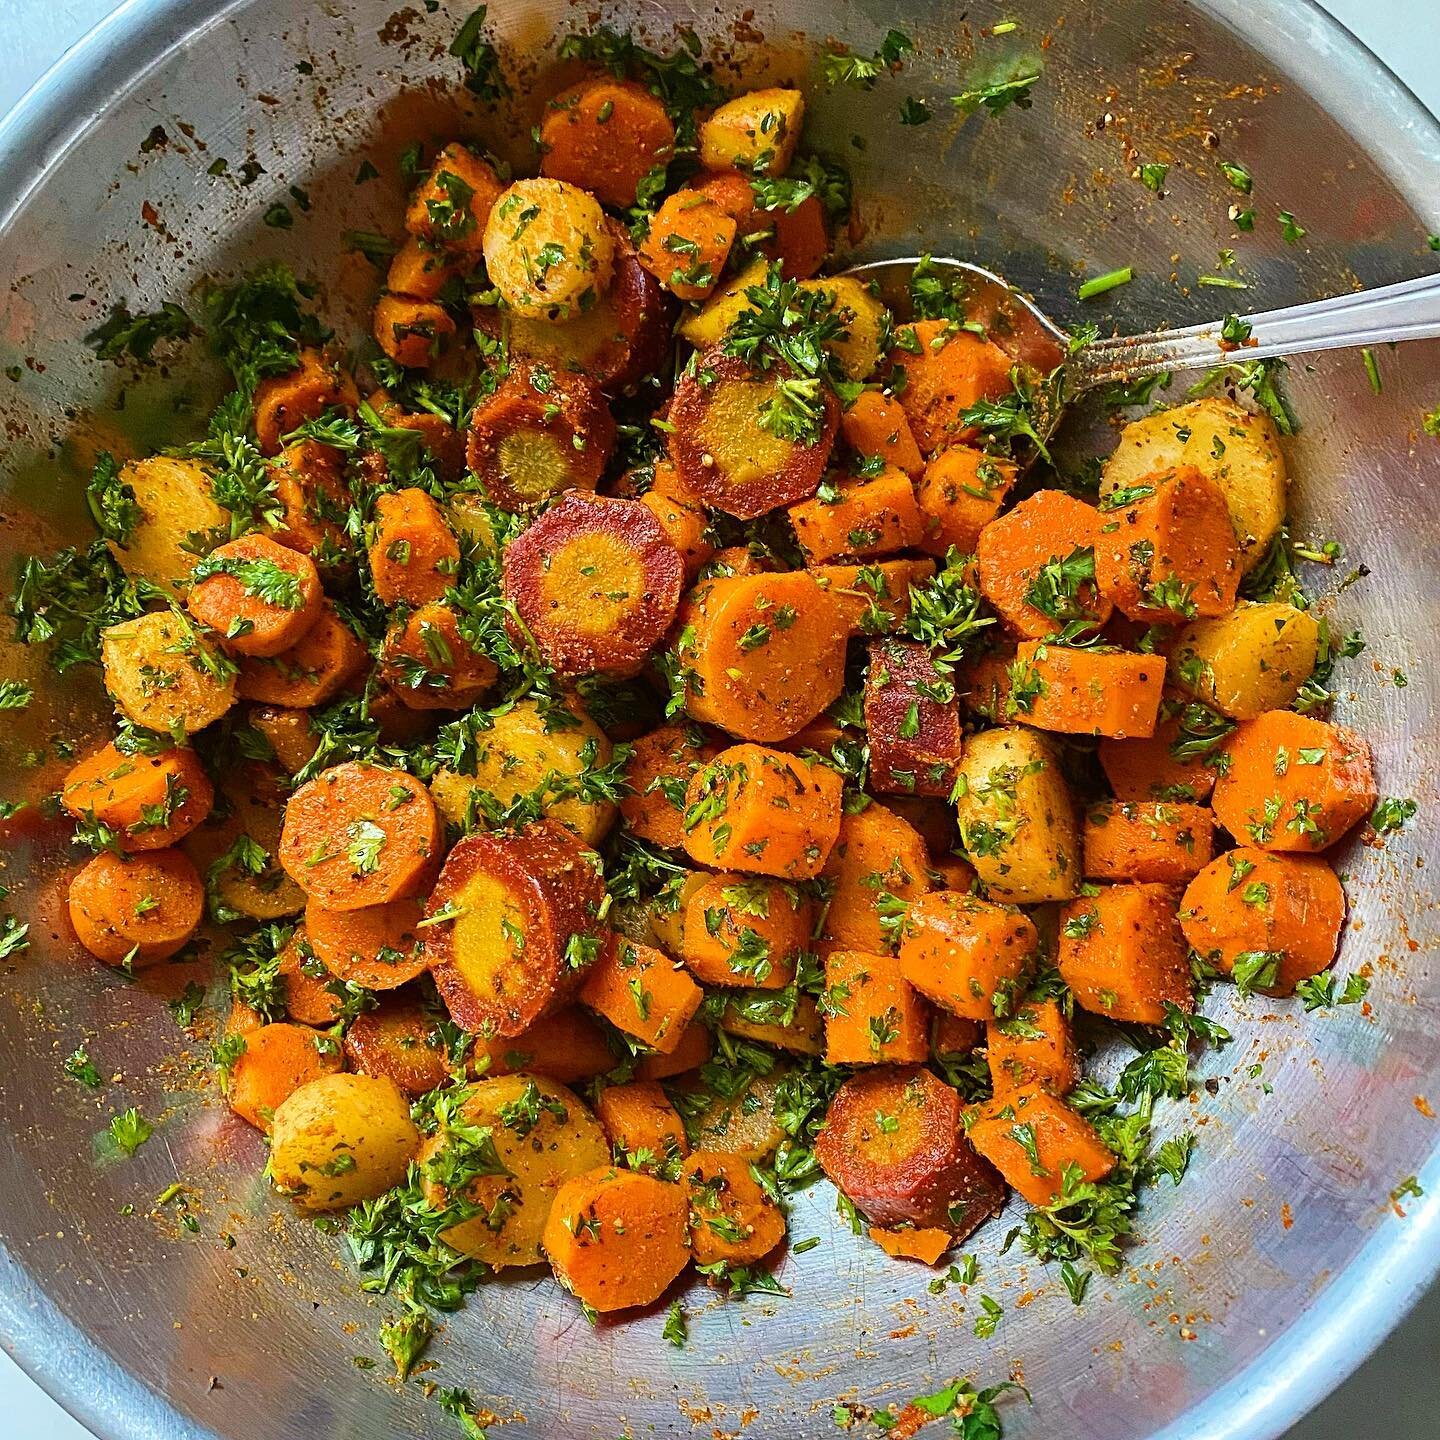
960,493
360,835
307,1001
692,1052
147,801
137,909
1035,1140
952,1036
1278,915
878,859
801,243
657,775
617,1238
873,599
451,205
875,424
1034,1047
285,402
1149,768
399,1040
731,1218
429,665
938,372
260,596
872,1016
414,556
326,659
311,493
744,930
1122,953
641,1124
763,812
686,527
411,332
860,518
641,992
688,243
419,270
1291,782
377,947
277,1060
1086,691
606,136
565,1045
927,1245
967,955
1147,840
913,720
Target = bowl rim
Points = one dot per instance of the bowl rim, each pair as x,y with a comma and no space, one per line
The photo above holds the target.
1394,1268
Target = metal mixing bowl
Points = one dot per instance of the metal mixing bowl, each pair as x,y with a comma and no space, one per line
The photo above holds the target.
1280,1261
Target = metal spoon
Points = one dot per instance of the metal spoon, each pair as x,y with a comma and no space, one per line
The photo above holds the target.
1407,311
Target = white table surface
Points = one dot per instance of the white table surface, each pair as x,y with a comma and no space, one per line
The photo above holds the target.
1396,1395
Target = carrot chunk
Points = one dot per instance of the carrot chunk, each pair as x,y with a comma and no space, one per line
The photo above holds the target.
419,270
359,835
1147,841
452,204
137,909
399,1041
285,402
960,493
872,1017
257,594
878,859
875,425
872,599
411,332
657,776
1168,765
643,1127
595,583
860,518
966,954
744,930
1034,1047
913,720
763,812
938,373
685,526
688,243
414,556
429,665
276,1061
307,1001
1086,691
731,1218
377,947
641,992
617,1238
953,1037
565,1045
310,489
605,135
1035,1141
324,661
1036,565
926,1245
146,801
1293,782
1123,955
1273,920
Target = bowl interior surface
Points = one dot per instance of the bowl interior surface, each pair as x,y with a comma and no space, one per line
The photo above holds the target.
1279,1259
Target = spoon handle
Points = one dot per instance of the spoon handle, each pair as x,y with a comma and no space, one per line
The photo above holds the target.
1407,311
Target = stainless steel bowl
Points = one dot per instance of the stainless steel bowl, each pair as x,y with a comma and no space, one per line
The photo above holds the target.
1281,1260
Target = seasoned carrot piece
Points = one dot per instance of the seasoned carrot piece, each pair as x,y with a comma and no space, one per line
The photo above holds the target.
1274,919
285,402
685,526
565,1045
878,858
762,1017
617,1238
440,442
378,947
605,135
277,1060
952,872
688,243
452,204
595,583
760,655
641,1124
414,556
359,835
309,481
873,599
411,332
1033,1140
292,742
862,518
1162,766
307,1001
1151,840
258,595
146,801
1293,782
893,1143
327,658
801,242
1086,691
137,909
966,954
429,665
1168,554
419,270
1037,565
657,775
513,925
926,1245
722,450
692,1052
1034,1047
875,425
544,430
945,371
872,1017
731,1218
744,930
641,992
952,1036
960,493
1122,953
399,1041
913,720
763,812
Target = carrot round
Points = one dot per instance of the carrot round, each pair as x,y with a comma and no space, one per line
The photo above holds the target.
872,1016
310,491
878,858
913,720
360,835
1086,691
801,242
687,244
641,992
429,665
605,136
643,1127
147,801
875,425
861,518
285,402
260,596
1148,767
398,1040
617,1238
452,204
377,947
872,599
1033,1139
938,372
136,909
307,1001
1283,912
411,332
731,1218
276,1061
414,556
1293,782
1147,841
1122,953
966,954
959,494
313,671
565,1045
744,930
